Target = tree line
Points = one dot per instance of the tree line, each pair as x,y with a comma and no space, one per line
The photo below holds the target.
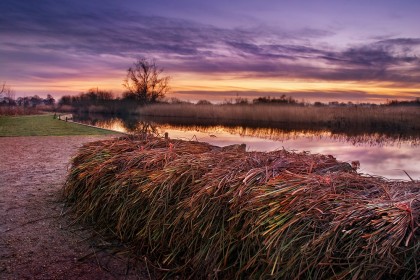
7,98
145,84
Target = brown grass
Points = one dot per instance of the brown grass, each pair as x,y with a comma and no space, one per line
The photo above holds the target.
380,116
17,111
208,212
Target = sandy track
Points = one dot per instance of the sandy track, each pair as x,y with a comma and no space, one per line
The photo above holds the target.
35,241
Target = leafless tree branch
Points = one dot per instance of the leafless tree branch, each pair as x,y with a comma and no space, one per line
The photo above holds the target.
144,81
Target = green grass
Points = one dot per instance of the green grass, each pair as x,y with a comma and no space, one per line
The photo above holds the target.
44,125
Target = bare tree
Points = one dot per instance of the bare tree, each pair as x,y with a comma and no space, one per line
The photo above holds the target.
145,83
3,88
7,91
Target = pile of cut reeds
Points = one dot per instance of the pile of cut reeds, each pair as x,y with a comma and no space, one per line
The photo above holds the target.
208,212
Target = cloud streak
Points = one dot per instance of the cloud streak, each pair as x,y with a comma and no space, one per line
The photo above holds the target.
319,95
78,37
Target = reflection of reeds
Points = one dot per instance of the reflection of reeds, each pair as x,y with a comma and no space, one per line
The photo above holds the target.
278,134
381,117
373,126
210,212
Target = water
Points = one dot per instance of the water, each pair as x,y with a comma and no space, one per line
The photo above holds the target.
389,155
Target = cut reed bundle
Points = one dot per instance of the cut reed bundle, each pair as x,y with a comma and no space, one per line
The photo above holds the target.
206,212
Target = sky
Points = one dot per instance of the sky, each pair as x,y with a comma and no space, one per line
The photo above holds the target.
326,50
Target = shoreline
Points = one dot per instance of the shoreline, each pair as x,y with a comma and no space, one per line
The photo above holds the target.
36,241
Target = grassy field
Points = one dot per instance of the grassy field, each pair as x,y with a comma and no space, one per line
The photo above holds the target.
44,125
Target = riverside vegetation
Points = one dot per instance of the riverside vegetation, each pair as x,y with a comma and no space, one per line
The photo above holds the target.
378,117
276,112
202,211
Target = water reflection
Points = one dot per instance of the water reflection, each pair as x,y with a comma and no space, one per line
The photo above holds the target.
387,155
277,134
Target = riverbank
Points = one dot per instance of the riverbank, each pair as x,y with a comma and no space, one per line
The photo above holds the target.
44,125
36,241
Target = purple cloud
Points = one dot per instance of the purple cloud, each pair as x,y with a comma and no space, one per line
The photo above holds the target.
79,36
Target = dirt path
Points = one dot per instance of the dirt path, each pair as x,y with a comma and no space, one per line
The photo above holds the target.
35,241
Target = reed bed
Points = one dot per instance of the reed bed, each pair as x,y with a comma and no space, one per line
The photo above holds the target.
356,117
18,111
202,211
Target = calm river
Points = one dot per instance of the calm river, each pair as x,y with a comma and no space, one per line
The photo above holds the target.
390,155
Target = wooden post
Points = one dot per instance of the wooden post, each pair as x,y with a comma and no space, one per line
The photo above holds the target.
166,135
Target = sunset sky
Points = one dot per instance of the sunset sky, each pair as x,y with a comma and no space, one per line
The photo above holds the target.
360,51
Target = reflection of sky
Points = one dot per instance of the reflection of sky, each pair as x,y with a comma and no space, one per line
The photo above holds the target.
377,155
387,161
114,124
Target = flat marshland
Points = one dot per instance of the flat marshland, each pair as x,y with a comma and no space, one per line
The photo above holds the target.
380,117
203,211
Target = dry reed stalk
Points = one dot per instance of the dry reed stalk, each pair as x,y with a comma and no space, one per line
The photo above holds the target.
204,211
357,117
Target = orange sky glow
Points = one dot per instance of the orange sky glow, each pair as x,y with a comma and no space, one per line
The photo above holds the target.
218,88
220,50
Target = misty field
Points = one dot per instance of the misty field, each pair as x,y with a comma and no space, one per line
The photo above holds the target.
379,117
